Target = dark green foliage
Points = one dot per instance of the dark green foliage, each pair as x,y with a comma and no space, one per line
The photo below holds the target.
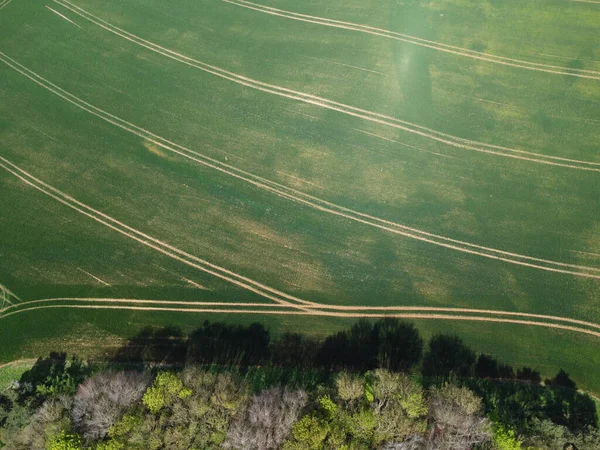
518,403
187,411
53,376
448,356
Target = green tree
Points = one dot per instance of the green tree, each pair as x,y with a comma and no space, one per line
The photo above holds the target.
308,433
65,441
505,438
166,388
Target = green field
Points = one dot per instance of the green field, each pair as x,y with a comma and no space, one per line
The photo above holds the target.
302,163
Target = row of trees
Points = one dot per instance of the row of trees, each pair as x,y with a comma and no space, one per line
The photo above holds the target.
387,343
204,409
374,385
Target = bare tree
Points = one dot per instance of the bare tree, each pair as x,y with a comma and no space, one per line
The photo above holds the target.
268,420
456,420
101,400
412,442
350,388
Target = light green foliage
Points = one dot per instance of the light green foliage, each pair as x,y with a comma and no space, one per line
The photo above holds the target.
337,436
127,423
505,438
398,404
65,441
188,411
307,434
369,394
361,425
110,445
184,393
163,391
340,423
328,407
412,399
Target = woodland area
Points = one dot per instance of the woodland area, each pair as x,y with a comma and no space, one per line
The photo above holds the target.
372,386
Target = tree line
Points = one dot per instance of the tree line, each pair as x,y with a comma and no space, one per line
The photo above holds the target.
375,385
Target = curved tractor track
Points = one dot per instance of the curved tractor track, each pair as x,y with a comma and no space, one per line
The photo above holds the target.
434,45
295,195
403,312
413,128
283,303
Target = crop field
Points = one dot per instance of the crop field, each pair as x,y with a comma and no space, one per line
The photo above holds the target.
304,163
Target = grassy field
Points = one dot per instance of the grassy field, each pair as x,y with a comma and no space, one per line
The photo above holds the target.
353,154
11,372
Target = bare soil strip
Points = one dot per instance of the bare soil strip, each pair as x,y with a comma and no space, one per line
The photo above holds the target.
371,116
3,5
306,199
559,70
138,301
316,306
319,313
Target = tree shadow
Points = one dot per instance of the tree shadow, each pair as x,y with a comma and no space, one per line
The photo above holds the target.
164,346
225,344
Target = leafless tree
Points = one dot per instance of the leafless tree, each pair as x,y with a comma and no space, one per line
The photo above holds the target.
101,400
268,420
456,420
350,388
413,442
